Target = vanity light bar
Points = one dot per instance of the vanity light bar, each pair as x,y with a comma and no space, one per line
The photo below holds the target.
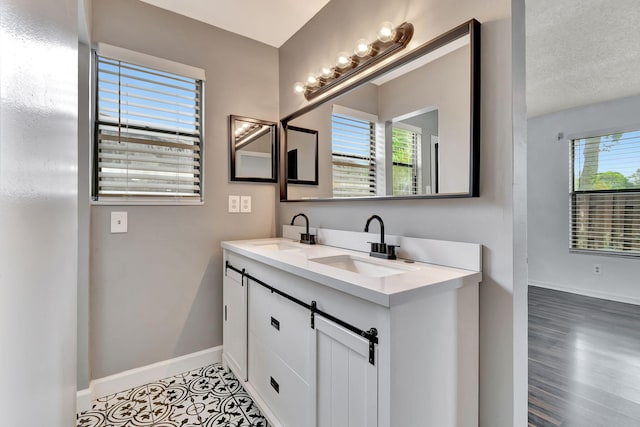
389,41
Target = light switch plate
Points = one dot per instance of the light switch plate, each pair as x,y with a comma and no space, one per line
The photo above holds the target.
234,204
245,204
118,222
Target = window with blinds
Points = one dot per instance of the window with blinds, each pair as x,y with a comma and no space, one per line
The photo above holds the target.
605,194
405,146
353,147
148,134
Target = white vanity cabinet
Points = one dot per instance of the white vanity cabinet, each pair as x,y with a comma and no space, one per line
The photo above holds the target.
280,365
315,365
234,323
346,383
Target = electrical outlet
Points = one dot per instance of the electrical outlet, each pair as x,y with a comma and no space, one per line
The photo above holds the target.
118,222
597,269
245,204
234,204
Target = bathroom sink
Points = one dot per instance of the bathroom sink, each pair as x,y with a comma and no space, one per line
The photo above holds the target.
362,266
277,246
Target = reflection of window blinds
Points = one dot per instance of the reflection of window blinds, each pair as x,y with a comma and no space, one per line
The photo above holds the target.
405,161
353,155
605,194
148,133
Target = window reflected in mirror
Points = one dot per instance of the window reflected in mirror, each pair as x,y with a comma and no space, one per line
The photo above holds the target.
414,148
253,145
353,153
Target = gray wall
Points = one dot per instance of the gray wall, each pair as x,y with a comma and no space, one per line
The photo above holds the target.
519,206
38,212
84,214
550,263
488,220
156,291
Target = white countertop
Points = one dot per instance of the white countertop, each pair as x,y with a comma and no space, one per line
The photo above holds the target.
415,277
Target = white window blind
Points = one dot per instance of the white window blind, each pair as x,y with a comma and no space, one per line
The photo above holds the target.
354,156
405,146
605,194
148,134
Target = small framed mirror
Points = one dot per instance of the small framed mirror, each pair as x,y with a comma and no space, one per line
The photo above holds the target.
253,146
302,155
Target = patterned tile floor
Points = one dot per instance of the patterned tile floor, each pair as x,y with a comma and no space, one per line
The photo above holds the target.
205,397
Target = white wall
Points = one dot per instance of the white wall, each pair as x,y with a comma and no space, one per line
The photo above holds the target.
489,219
550,263
38,212
156,291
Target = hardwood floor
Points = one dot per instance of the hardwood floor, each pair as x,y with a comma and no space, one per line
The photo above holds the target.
584,361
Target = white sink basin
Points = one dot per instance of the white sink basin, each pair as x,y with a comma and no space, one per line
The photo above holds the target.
277,246
362,266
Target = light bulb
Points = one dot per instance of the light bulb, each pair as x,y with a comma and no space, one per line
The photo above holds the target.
387,32
363,48
298,87
312,80
326,72
343,61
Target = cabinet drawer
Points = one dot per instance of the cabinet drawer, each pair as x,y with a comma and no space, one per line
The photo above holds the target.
283,326
288,395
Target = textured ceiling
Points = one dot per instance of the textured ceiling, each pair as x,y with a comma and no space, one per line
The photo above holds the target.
580,52
272,22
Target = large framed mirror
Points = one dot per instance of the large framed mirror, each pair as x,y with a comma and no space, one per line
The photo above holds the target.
410,129
253,148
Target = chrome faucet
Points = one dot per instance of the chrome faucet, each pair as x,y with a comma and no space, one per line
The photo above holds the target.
309,239
380,250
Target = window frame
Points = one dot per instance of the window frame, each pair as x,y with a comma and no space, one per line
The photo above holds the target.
157,64
573,193
416,142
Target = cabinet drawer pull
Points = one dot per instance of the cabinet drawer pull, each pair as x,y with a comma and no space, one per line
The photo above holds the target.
275,385
275,323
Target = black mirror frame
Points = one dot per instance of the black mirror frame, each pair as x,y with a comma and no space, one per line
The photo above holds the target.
284,147
472,28
232,149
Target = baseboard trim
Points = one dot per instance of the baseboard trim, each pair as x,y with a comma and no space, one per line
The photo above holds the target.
145,374
586,292
83,400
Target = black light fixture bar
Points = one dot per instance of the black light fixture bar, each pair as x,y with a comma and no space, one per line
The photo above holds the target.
378,52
